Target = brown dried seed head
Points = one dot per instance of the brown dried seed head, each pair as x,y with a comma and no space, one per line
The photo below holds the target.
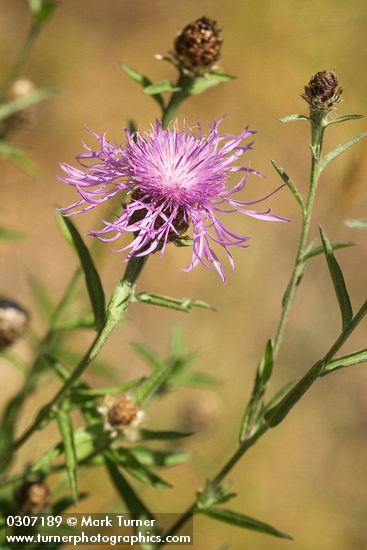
123,413
323,90
33,497
197,48
13,322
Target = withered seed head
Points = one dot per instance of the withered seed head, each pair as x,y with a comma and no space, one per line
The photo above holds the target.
123,413
323,91
33,497
13,322
197,48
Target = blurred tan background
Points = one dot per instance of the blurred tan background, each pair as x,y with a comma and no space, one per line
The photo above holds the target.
307,477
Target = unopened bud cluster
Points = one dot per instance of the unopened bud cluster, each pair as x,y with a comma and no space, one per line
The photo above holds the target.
323,91
198,46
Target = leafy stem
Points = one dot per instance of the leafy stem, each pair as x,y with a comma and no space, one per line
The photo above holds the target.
119,302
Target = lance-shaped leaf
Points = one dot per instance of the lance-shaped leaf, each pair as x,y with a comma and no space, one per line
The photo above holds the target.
10,234
161,87
150,356
133,502
111,390
179,304
343,118
338,281
292,118
313,250
202,83
153,383
14,360
165,435
358,224
262,378
291,186
92,279
340,149
349,360
127,460
158,459
278,412
143,80
23,102
246,522
67,435
15,155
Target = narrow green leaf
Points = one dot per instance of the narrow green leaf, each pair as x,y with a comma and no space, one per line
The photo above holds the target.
158,459
277,396
11,234
14,360
345,361
15,155
340,149
240,520
42,297
41,9
202,83
179,304
343,118
359,224
267,363
133,502
111,390
176,347
127,460
194,379
66,432
93,281
150,356
163,435
33,97
152,384
276,414
314,250
292,118
161,87
291,186
143,80
262,377
338,281
80,322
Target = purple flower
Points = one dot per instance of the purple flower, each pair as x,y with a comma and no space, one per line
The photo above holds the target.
168,180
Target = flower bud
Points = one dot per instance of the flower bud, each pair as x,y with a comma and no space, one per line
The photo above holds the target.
197,48
33,498
13,322
323,91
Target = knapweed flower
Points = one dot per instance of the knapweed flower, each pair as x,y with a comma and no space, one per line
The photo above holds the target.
168,180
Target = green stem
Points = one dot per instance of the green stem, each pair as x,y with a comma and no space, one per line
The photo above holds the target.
117,306
184,82
317,120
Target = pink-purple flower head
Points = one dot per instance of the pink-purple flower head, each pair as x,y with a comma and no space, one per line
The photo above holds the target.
168,180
